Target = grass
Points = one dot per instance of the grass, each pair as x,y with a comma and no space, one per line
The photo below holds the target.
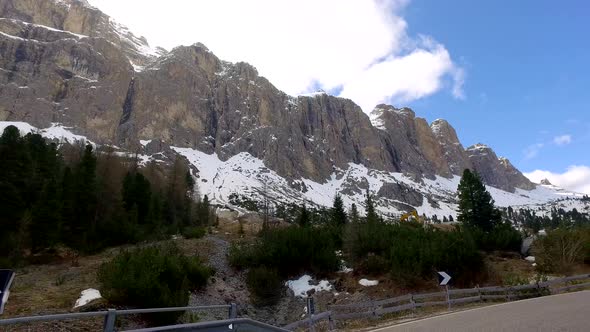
54,288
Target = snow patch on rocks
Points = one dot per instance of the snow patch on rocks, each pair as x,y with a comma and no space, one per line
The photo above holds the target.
87,296
368,283
302,286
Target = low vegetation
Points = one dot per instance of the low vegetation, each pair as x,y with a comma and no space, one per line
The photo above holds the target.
411,254
283,252
561,249
153,277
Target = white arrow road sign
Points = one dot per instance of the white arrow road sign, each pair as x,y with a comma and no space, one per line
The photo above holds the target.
443,278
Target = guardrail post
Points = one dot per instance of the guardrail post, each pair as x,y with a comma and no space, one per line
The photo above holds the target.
310,312
479,293
412,302
331,323
109,320
233,311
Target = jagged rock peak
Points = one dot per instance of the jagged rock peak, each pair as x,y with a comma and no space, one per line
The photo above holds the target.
382,108
79,17
546,182
497,172
440,126
479,147
453,150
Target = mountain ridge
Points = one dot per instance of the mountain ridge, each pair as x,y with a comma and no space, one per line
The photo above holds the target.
85,71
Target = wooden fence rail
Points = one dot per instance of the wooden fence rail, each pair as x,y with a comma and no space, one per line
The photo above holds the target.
376,309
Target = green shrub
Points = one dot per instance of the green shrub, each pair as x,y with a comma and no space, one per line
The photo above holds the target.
152,277
290,250
502,237
265,285
411,254
241,256
561,249
193,232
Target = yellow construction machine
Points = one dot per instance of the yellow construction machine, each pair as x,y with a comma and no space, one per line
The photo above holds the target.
412,217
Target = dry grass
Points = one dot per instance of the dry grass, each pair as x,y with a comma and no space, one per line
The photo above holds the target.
54,288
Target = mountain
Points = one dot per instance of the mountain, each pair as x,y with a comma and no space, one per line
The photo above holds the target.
65,64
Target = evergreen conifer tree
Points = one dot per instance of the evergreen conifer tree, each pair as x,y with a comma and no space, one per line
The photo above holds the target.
354,214
476,206
337,213
372,216
304,219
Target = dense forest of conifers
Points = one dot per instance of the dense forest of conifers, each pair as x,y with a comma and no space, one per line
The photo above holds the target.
71,195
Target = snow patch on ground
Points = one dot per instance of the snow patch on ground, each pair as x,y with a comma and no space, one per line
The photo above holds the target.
302,286
368,283
87,296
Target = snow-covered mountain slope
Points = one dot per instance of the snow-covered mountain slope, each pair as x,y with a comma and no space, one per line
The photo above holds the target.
55,132
245,175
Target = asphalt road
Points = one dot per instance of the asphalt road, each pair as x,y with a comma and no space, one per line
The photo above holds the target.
564,312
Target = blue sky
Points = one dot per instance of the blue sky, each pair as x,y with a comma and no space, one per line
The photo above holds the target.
527,69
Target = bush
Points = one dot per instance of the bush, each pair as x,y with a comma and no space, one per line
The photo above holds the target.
411,254
265,285
290,251
561,249
152,277
502,237
241,256
193,232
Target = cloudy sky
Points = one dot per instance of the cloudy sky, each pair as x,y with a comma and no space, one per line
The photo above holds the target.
511,74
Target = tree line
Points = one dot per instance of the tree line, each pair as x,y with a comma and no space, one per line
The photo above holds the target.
74,196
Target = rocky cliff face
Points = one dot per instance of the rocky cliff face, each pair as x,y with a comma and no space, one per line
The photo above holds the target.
64,61
496,172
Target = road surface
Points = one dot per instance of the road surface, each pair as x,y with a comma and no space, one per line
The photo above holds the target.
564,312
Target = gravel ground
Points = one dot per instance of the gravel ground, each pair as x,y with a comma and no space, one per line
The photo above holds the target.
229,285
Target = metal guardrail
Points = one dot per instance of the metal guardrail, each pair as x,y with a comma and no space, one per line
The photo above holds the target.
110,315
376,309
372,309
229,325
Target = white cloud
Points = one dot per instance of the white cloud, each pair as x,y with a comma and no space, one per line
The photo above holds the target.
360,48
562,140
576,178
532,151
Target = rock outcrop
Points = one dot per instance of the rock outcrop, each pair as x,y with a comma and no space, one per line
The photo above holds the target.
496,172
453,151
65,61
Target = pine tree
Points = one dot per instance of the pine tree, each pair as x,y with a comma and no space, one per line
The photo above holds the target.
372,216
304,219
476,206
86,198
354,214
205,212
45,218
337,213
